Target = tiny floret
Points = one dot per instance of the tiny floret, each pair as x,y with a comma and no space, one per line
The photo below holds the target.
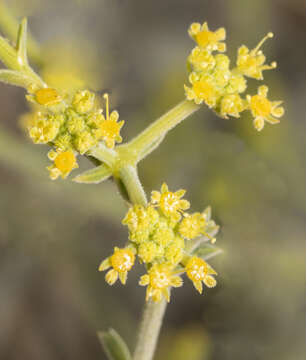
159,279
263,109
192,226
251,63
199,271
210,40
64,163
83,101
170,203
47,97
109,129
121,262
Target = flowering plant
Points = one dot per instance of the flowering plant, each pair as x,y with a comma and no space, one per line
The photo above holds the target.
168,240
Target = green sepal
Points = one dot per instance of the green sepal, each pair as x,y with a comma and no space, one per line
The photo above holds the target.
21,45
114,346
94,176
16,78
8,55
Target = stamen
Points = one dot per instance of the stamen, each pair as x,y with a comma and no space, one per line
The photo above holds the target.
268,36
107,105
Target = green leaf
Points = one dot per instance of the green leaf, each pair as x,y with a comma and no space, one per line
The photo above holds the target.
94,176
21,45
15,78
114,346
8,55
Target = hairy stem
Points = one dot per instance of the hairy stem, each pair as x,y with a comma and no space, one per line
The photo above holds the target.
153,312
162,125
128,175
149,330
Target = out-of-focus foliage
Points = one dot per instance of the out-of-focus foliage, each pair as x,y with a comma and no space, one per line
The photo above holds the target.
52,236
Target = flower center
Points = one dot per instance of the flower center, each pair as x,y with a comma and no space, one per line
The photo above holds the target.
261,106
204,38
65,161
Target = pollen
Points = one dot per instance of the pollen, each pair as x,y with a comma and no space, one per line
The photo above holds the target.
47,97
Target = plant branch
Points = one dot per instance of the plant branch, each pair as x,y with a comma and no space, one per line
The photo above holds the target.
150,136
149,330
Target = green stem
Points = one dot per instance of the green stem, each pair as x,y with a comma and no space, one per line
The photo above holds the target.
162,125
104,154
153,312
149,330
128,175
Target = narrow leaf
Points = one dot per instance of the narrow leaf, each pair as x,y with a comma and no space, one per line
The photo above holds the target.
8,55
95,175
15,78
114,346
21,46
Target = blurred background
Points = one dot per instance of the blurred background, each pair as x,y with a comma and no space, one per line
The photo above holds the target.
53,235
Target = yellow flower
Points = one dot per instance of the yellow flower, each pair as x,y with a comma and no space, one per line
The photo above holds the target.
192,226
109,129
140,221
199,271
63,142
175,251
159,279
121,262
64,163
203,89
43,128
236,84
163,233
84,141
83,101
47,97
211,40
148,251
170,203
252,62
201,59
232,105
263,109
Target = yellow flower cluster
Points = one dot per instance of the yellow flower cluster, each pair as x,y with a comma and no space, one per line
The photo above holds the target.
71,126
159,234
213,82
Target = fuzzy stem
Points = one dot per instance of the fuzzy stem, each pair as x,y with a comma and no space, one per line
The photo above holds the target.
153,312
162,125
104,154
149,330
128,175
